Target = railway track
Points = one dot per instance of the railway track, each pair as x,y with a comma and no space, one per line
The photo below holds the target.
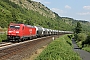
4,44
20,50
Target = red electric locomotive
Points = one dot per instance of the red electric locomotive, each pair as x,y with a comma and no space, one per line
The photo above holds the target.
20,32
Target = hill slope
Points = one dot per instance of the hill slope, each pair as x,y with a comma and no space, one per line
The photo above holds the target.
34,13
35,6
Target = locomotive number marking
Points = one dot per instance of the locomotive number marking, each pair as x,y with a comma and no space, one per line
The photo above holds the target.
30,30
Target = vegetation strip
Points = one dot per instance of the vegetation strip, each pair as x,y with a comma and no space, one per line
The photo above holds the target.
59,49
82,37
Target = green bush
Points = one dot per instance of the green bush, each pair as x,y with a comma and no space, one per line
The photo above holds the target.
75,36
87,41
3,37
81,37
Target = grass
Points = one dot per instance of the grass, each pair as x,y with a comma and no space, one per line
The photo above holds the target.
59,49
79,44
86,46
3,37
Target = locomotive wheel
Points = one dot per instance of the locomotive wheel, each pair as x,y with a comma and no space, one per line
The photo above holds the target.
18,40
22,39
30,38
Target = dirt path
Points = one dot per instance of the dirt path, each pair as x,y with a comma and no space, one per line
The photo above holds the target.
83,54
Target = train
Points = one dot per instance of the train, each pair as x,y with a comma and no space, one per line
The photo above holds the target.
20,32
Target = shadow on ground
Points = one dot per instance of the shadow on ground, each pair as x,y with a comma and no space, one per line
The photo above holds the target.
77,48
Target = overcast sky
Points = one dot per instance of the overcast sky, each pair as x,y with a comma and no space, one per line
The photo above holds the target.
76,9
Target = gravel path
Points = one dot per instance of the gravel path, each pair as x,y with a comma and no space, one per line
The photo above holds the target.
83,54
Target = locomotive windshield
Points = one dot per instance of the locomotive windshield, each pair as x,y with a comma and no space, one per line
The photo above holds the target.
15,27
11,26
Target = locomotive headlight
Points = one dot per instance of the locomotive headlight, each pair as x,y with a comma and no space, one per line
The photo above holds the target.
9,31
17,31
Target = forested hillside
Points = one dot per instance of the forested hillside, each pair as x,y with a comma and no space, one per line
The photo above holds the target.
34,13
85,24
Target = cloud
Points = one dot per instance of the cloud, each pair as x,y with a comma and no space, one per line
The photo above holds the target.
67,7
84,13
86,7
58,11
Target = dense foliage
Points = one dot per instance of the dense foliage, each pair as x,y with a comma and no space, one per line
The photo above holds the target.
59,49
84,25
3,37
78,28
82,39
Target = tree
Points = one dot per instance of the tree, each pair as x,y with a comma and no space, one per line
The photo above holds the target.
87,41
78,28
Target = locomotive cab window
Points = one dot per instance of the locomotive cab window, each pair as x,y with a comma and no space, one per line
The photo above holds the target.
14,27
11,26
17,27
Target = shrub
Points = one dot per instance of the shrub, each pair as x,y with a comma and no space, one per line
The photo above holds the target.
87,41
75,36
86,44
3,37
81,37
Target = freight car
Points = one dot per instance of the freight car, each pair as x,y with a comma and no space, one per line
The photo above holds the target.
39,31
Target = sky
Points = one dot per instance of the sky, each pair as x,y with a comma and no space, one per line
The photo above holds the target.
76,9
